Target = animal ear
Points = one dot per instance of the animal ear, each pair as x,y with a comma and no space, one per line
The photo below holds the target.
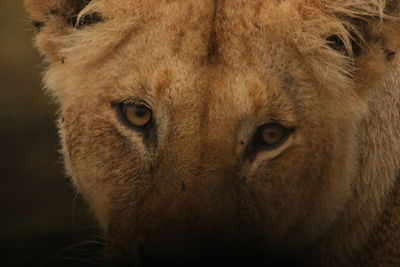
352,21
390,31
57,18
348,45
361,23
366,33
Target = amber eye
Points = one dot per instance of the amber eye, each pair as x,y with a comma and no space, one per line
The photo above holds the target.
273,134
137,115
270,136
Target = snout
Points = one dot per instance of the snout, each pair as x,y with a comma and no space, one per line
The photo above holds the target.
206,215
200,226
185,243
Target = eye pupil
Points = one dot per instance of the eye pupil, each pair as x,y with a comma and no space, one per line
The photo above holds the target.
140,112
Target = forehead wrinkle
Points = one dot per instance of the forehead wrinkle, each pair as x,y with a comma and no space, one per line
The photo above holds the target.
213,45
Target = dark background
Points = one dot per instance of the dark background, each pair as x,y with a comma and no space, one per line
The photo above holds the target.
38,218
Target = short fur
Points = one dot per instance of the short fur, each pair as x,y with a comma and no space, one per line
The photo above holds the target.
213,71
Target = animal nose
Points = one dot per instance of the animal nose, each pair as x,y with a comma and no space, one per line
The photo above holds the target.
181,244
174,243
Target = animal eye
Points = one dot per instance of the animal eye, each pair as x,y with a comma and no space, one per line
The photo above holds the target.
271,136
136,115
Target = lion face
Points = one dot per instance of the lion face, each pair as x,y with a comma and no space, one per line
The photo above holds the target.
207,129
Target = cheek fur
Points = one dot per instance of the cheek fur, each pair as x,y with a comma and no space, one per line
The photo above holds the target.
302,191
102,163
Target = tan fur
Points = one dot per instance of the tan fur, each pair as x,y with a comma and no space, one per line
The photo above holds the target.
213,72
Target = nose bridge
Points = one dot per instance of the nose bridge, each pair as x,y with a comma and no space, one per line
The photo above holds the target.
201,137
201,151
197,164
200,174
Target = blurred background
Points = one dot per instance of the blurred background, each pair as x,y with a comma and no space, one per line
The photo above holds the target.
40,216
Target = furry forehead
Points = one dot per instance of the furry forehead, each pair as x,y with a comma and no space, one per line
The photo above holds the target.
85,31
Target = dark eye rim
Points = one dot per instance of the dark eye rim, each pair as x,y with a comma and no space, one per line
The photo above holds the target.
119,108
257,143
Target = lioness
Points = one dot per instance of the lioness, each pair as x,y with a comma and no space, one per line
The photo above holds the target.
206,132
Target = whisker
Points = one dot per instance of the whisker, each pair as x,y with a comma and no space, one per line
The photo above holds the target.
89,253
81,244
